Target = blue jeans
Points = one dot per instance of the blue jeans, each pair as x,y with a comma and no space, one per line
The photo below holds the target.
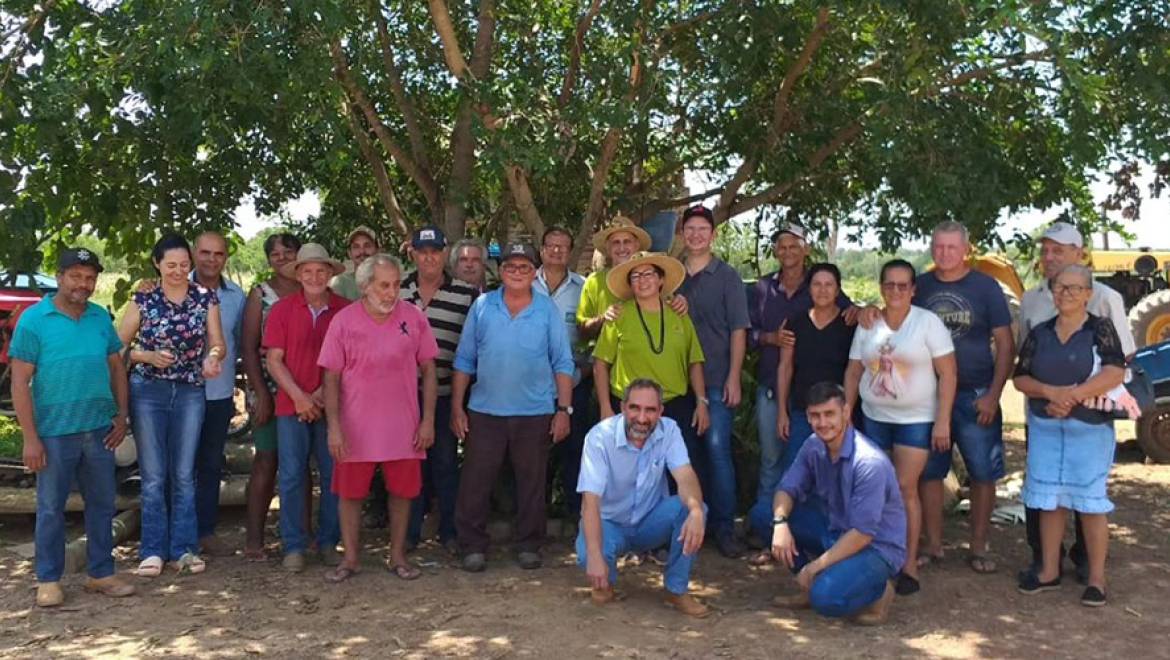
771,449
167,417
850,585
715,466
296,442
981,446
799,430
80,456
209,463
440,477
660,527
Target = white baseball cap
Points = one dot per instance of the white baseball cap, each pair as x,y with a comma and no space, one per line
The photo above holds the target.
1064,233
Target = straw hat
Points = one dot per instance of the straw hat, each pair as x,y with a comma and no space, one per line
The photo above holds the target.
618,282
311,253
621,223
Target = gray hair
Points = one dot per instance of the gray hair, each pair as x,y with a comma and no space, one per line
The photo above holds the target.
453,258
642,384
952,227
1084,272
365,270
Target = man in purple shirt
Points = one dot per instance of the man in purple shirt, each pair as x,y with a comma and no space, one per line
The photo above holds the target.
845,555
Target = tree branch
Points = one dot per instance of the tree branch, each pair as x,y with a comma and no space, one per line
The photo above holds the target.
452,53
353,91
575,53
517,180
1010,61
462,136
418,147
381,177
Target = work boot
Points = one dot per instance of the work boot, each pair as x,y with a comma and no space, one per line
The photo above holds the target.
877,613
111,586
49,594
687,604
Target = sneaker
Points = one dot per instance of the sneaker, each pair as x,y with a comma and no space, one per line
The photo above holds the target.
474,562
330,556
687,604
294,562
111,586
49,594
877,613
1093,597
529,560
1031,584
729,546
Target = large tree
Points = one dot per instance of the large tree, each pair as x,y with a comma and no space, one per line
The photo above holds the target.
122,118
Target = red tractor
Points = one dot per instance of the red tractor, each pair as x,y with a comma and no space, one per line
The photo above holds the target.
18,292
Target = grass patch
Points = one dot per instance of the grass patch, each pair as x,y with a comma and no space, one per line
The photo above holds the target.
10,438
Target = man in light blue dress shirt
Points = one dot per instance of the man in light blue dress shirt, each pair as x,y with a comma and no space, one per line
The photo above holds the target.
626,505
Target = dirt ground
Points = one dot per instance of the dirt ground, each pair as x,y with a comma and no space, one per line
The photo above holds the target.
239,609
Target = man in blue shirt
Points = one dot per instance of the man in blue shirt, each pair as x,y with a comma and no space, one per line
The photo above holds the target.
211,252
625,502
71,396
514,342
845,554
555,280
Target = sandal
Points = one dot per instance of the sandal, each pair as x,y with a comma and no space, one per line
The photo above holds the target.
151,567
404,571
189,564
929,559
981,564
340,574
255,555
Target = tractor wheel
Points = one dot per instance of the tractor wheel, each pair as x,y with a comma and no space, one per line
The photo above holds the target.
1153,432
1150,319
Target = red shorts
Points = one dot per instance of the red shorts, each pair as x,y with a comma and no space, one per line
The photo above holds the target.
403,478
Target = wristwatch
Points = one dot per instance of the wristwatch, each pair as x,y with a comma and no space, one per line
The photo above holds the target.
779,520
565,409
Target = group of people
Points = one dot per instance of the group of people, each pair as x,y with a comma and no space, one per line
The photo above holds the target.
632,375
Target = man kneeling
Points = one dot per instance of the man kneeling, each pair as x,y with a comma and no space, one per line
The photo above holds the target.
838,519
625,504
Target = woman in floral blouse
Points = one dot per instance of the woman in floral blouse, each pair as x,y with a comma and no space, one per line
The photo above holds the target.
176,342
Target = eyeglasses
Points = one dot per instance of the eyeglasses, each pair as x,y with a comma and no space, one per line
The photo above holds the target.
517,269
1066,289
634,277
556,248
896,286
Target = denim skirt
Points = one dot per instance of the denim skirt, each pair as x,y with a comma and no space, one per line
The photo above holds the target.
1068,465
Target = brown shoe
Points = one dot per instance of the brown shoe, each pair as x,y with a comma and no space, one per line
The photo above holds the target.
214,546
111,586
797,601
877,613
687,604
602,596
49,594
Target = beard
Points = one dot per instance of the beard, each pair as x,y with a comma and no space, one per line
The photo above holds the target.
637,430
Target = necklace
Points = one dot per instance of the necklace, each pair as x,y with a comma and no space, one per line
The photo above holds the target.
661,330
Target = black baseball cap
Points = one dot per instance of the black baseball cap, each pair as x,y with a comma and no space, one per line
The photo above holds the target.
429,236
71,257
523,250
698,210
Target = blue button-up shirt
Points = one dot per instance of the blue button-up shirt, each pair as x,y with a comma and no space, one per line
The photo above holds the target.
567,297
514,360
770,306
629,481
231,318
859,489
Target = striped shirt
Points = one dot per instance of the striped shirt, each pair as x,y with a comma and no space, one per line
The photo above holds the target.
446,313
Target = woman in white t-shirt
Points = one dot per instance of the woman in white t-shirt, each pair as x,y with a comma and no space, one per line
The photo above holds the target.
903,368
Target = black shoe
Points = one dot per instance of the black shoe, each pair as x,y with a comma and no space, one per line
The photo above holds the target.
1031,584
1093,597
729,546
904,585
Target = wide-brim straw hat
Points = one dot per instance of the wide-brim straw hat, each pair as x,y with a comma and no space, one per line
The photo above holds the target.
620,224
312,253
619,284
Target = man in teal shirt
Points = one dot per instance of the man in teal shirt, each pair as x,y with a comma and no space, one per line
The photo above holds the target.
70,392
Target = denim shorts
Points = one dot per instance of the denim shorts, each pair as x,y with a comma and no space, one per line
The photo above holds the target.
888,434
981,446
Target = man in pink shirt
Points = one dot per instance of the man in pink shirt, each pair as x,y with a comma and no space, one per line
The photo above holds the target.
373,355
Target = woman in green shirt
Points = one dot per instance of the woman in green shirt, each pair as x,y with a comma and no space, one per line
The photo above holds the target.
650,340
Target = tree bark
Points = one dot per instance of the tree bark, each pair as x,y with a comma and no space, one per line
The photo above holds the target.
381,176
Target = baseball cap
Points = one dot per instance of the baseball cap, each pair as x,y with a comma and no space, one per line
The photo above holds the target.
699,211
1064,233
523,250
795,230
361,229
428,237
78,257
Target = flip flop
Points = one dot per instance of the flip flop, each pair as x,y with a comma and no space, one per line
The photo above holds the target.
981,564
929,559
340,574
151,567
404,571
257,555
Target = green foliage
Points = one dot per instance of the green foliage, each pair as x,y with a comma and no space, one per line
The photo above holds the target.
11,440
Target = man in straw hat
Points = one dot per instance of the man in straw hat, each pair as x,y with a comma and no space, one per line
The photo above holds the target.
293,336
648,339
514,342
